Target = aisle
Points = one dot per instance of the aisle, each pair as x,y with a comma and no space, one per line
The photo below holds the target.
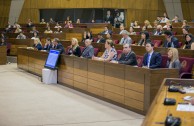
25,101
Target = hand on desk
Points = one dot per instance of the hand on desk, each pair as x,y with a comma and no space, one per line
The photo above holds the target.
114,61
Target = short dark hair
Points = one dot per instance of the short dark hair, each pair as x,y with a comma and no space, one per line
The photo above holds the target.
152,44
100,34
186,28
169,33
48,39
56,40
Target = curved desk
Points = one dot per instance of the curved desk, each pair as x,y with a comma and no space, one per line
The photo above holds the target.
3,55
130,87
158,111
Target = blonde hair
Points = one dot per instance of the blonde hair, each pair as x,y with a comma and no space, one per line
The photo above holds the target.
110,42
169,21
175,54
76,43
147,23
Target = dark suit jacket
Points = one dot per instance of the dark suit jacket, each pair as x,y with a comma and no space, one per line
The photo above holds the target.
110,19
3,44
174,41
48,47
102,40
38,46
76,52
88,52
158,33
59,47
129,59
109,31
155,61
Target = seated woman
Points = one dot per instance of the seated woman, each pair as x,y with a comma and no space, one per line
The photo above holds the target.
57,25
131,31
48,30
136,25
78,21
189,43
185,23
173,57
74,48
42,21
37,44
108,36
147,24
58,30
87,35
18,30
110,54
35,35
168,23
145,38
3,43
69,25
34,30
48,44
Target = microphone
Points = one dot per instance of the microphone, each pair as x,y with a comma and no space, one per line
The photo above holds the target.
169,101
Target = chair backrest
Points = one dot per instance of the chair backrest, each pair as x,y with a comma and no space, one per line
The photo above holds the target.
180,44
164,61
157,43
186,64
95,39
8,48
82,48
67,50
119,52
116,41
139,60
96,50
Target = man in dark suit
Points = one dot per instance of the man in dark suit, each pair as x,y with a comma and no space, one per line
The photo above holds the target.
171,41
151,59
57,45
100,38
158,30
109,18
88,51
128,57
106,31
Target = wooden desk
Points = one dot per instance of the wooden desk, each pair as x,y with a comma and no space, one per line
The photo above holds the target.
3,55
158,112
129,87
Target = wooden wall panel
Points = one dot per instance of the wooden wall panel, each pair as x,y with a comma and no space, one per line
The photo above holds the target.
4,12
187,9
136,9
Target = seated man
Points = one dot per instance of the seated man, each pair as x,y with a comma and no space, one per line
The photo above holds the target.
171,41
121,28
128,57
48,44
106,30
21,36
158,30
57,45
125,39
88,51
100,38
151,59
3,43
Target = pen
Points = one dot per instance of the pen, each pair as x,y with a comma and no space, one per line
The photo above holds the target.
184,103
